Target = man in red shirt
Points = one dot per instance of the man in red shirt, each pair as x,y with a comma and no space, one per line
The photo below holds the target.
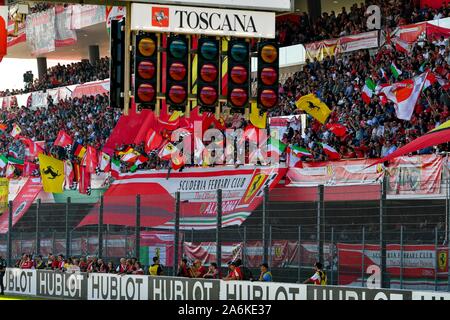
199,269
27,264
234,272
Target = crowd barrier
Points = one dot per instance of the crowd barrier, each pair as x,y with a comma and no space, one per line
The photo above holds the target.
100,286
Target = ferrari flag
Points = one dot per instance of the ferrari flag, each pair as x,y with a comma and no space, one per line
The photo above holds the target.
314,107
52,173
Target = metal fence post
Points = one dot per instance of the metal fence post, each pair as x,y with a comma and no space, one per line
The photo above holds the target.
9,240
68,200
331,254
244,245
137,229
264,224
99,230
219,229
381,227
38,238
320,226
401,257
177,233
436,267
54,242
270,246
106,249
126,241
299,257
363,267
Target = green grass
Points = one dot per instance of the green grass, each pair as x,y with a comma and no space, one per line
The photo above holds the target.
5,297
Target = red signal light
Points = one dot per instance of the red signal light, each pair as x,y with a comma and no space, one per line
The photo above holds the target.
177,71
238,97
208,95
146,69
268,98
268,76
146,92
177,94
239,74
208,72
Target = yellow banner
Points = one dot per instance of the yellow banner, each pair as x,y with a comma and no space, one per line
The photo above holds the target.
314,107
4,190
52,173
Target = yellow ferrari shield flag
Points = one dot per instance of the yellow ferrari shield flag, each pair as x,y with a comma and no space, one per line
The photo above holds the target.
52,173
314,107
4,189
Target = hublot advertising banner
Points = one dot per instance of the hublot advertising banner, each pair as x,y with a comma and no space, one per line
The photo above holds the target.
101,286
348,293
61,285
208,21
171,288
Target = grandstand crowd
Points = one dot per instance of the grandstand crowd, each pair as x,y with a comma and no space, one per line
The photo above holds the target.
300,28
131,266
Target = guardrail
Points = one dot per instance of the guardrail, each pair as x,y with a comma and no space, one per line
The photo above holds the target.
101,286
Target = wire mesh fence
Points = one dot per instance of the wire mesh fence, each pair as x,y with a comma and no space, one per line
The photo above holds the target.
355,231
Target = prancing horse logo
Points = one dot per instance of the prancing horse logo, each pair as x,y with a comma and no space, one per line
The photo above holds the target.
50,171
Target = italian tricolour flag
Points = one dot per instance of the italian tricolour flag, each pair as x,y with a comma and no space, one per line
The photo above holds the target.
330,152
301,152
368,90
395,71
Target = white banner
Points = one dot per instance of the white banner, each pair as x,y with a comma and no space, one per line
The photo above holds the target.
39,100
221,22
40,31
357,42
64,35
87,15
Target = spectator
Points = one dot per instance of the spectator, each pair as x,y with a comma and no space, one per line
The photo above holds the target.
184,270
122,267
138,268
234,272
111,268
38,263
198,269
156,269
265,275
213,272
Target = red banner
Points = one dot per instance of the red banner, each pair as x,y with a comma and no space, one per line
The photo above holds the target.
421,263
335,173
22,202
415,175
411,32
282,253
242,192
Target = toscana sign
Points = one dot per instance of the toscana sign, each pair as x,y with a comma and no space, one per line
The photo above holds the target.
209,21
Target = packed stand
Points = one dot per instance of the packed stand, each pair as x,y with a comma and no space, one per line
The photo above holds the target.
89,120
295,29
65,75
373,130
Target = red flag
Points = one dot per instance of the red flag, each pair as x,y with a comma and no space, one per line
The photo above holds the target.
153,140
28,168
338,129
177,161
3,36
85,180
90,159
76,172
63,139
34,147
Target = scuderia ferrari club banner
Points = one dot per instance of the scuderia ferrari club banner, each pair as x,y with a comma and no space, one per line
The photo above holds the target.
242,192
